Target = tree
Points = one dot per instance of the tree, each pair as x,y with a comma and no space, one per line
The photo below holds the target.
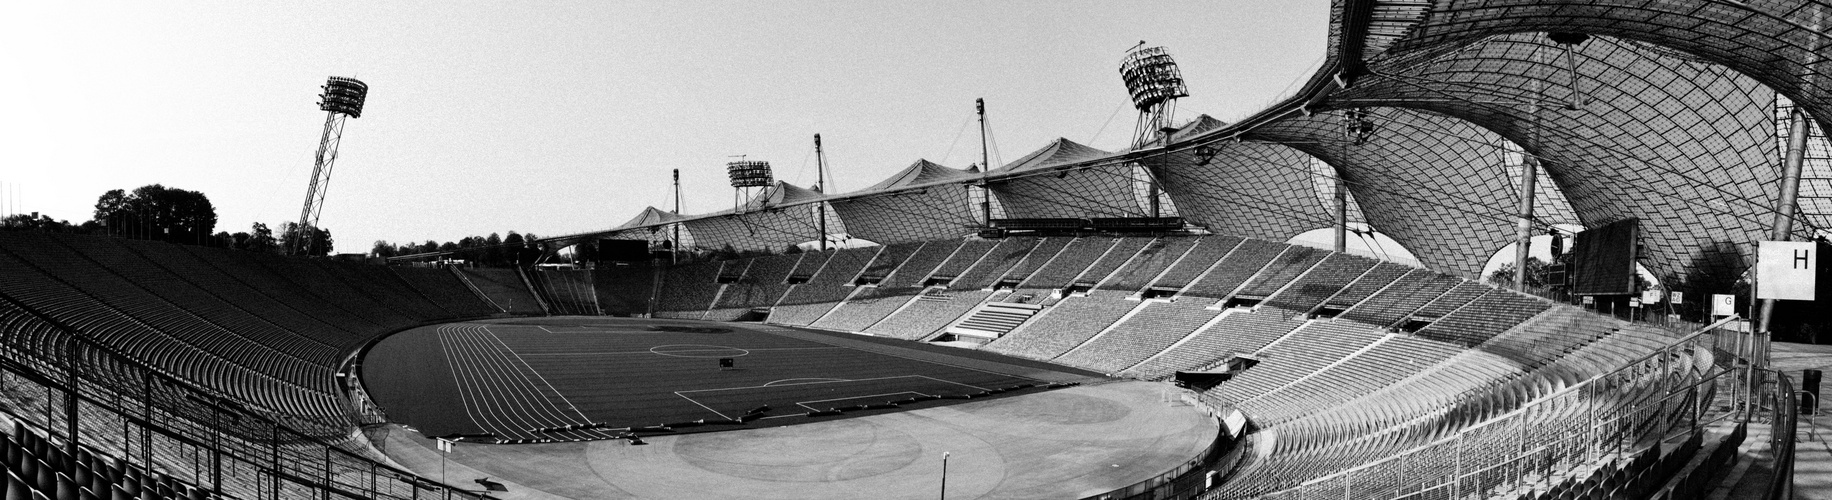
156,212
492,251
585,251
1536,274
320,241
262,239
33,222
518,251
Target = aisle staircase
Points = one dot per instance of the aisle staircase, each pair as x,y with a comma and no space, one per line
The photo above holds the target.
994,319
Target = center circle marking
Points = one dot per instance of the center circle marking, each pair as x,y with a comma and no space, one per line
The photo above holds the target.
698,351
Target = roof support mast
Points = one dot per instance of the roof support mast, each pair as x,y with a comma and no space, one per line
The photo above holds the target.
1784,211
1798,129
820,184
1529,164
979,106
674,246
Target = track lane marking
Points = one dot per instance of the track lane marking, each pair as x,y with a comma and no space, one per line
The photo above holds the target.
456,383
537,374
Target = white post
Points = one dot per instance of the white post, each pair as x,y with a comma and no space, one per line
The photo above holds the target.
944,475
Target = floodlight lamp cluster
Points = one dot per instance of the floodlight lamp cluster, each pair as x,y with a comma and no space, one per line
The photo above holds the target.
749,173
1152,77
1205,154
344,95
1356,127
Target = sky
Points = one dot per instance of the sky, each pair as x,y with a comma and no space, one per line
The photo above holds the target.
566,117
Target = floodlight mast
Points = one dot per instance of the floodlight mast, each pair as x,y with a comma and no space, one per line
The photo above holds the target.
748,177
342,98
1155,83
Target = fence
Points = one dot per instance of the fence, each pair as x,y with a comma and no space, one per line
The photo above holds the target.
83,395
1784,420
1179,482
1605,416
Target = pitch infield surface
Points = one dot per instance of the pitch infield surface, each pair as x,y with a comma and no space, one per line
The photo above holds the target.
530,380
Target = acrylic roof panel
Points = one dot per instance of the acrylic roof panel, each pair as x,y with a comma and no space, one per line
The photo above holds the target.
650,216
1058,153
1249,189
1097,191
1431,182
921,173
935,212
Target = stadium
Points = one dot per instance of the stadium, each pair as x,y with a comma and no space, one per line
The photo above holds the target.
1184,318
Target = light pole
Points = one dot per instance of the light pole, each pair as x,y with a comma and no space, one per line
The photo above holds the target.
944,475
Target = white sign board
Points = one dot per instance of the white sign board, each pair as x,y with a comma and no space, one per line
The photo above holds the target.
1723,304
1235,421
1678,298
445,446
1785,270
1588,300
1650,297
1634,302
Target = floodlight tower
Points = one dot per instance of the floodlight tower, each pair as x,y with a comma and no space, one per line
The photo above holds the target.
342,97
748,177
1155,84
674,246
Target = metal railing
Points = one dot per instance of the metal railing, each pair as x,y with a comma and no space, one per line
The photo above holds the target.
1784,421
84,395
1185,478
1612,414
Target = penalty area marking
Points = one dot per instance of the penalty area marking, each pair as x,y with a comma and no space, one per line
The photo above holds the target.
830,381
708,408
774,382
587,329
702,351
804,404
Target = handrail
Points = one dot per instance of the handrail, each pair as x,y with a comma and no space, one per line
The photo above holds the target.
26,362
1505,417
1783,431
1170,478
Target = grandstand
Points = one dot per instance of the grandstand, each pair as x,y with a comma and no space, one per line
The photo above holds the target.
151,370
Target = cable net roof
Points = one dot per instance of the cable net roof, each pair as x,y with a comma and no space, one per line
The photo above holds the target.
1815,201
1426,180
1666,112
1046,190
779,216
1684,146
921,173
1248,189
924,201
